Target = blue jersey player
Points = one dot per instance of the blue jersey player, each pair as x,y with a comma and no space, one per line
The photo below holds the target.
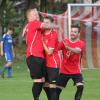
7,51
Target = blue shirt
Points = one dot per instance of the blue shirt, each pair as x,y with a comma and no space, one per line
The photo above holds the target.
7,43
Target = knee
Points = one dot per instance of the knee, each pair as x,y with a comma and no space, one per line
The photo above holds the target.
52,85
46,84
39,80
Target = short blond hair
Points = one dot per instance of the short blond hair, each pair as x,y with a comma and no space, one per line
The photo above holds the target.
29,10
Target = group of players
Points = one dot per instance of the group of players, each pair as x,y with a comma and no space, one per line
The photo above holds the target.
43,61
48,70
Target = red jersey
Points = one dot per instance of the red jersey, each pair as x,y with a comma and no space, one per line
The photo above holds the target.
71,61
34,39
51,41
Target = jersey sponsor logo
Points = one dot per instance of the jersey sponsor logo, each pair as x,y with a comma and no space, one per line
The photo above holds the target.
9,41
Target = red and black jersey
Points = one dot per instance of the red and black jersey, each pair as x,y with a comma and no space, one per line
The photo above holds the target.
51,41
34,39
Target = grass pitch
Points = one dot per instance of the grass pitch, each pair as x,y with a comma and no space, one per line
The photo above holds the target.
19,87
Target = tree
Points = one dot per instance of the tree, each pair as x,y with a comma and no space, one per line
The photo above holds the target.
7,13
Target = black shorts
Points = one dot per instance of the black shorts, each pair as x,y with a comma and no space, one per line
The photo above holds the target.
36,67
51,74
64,78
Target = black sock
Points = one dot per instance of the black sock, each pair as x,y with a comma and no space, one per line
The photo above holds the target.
58,91
36,90
79,92
53,94
46,89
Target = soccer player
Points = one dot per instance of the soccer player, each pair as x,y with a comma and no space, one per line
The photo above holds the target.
50,44
35,50
7,51
72,50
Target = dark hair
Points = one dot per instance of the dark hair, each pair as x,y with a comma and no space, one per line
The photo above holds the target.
10,27
50,18
32,6
76,26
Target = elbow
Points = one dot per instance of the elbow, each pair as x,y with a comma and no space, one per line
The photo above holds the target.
78,51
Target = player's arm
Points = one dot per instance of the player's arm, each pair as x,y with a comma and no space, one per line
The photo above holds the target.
75,50
49,26
24,31
60,46
49,51
61,32
1,43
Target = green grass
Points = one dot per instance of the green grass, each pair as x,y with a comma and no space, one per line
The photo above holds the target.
19,87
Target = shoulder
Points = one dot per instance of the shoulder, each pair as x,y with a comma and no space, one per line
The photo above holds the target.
37,22
66,40
82,42
53,34
4,35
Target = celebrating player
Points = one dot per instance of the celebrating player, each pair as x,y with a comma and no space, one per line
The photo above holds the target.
35,50
72,50
50,43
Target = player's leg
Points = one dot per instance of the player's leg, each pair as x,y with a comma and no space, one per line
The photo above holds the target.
35,65
8,64
61,83
10,72
46,89
52,78
46,84
37,88
78,80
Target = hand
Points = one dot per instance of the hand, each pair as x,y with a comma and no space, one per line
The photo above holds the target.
65,44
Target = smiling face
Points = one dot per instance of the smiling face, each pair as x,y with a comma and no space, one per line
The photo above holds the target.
47,21
74,34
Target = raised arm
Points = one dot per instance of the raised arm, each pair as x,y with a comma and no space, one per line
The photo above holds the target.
49,26
24,30
75,50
